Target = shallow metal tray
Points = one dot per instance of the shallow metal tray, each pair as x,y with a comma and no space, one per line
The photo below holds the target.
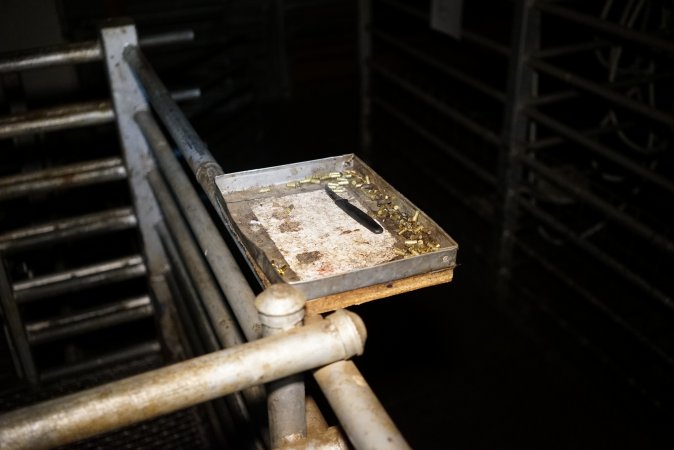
296,234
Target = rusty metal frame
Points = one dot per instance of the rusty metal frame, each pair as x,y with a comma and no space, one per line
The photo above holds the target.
156,178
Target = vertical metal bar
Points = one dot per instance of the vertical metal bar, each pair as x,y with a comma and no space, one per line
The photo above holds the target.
16,328
127,99
281,308
364,56
227,272
526,40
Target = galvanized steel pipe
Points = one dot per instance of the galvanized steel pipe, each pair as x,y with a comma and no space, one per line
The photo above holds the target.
281,307
58,118
80,52
114,405
227,272
364,419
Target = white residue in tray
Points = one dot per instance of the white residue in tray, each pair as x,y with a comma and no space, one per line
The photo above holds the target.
317,239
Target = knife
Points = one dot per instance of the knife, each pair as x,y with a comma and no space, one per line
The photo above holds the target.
356,213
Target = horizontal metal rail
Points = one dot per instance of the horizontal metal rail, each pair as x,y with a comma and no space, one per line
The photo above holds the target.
607,27
77,53
132,353
429,60
606,152
63,177
552,141
626,273
151,394
78,279
603,92
628,222
57,118
69,228
454,153
457,116
71,116
469,36
564,50
90,320
572,284
365,421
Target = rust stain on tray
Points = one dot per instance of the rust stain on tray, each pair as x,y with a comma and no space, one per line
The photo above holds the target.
317,239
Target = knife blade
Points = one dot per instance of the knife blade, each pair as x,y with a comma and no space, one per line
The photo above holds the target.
354,212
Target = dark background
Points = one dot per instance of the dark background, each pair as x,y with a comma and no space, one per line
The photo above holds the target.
511,354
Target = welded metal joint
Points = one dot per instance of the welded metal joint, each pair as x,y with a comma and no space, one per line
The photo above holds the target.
281,307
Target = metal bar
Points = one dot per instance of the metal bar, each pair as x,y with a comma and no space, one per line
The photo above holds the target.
205,169
190,144
457,116
364,419
564,50
607,27
64,177
645,232
57,118
108,359
16,329
478,85
205,328
542,100
182,385
522,86
81,278
71,116
281,308
186,299
77,53
227,272
600,149
161,39
603,92
541,144
454,153
219,318
90,320
599,254
72,227
594,301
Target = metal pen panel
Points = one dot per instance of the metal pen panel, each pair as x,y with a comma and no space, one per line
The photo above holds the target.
184,384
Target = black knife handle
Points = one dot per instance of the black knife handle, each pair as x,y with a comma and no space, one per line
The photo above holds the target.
359,216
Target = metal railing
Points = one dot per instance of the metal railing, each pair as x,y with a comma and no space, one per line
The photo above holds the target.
185,255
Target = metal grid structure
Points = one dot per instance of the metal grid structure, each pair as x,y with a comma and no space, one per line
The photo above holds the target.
198,295
589,178
554,147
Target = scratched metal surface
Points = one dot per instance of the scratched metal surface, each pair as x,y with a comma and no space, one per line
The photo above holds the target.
313,244
317,239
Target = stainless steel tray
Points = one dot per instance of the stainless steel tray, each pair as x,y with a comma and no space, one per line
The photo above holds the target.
296,233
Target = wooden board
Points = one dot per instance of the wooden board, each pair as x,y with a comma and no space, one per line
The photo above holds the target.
370,293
